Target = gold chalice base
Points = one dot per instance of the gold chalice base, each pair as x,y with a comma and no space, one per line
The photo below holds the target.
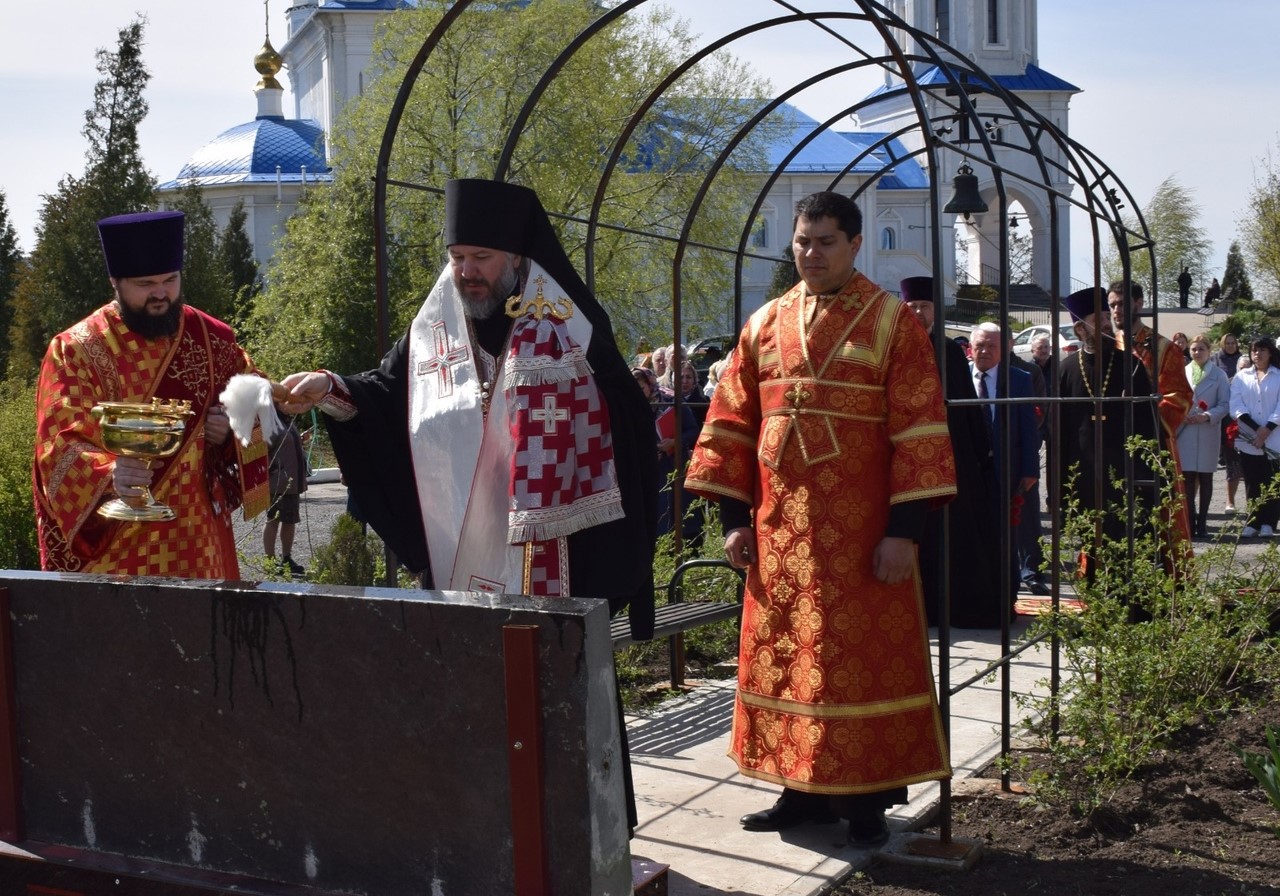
141,430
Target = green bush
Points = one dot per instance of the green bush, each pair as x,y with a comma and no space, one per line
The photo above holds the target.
1204,634
17,450
642,665
351,557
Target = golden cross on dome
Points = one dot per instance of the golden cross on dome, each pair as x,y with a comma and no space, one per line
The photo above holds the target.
539,306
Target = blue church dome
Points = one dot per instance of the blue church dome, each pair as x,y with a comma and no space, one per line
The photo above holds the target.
258,151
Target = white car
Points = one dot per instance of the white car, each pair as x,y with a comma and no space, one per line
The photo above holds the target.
1068,344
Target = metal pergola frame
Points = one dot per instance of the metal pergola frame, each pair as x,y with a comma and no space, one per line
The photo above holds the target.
950,107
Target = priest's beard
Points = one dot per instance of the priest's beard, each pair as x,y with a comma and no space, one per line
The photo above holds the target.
152,326
499,291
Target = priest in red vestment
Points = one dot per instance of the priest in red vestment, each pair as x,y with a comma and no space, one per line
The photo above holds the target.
145,344
827,443
1166,369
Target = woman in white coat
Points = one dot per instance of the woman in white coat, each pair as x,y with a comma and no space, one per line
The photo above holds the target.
1199,435
1255,406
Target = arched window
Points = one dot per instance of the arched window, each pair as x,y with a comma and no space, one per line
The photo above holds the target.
760,236
888,239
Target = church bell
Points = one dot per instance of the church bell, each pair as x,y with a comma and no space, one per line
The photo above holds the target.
966,200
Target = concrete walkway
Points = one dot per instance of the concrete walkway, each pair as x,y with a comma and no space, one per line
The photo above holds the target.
690,794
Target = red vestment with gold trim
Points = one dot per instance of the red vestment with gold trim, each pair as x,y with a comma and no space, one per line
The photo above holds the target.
830,411
98,360
1166,368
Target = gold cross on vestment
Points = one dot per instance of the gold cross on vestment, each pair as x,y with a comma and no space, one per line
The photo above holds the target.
797,395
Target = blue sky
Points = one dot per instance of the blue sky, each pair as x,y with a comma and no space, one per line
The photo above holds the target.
1188,91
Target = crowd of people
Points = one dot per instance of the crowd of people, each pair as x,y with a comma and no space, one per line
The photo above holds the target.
826,437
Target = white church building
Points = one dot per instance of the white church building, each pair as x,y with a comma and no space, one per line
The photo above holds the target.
270,161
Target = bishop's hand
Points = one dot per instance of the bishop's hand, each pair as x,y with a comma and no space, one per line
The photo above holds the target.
306,390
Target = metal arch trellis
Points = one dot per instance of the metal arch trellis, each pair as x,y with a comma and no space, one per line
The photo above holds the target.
982,140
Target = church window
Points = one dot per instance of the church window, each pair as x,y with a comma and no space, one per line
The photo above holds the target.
760,235
942,21
888,239
994,25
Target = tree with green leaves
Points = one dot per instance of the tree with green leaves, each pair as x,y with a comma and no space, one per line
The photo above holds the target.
1173,222
237,255
11,264
1235,279
66,279
17,437
784,272
1260,229
206,282
461,110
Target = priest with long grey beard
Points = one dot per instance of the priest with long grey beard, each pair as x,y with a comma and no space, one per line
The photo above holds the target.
502,445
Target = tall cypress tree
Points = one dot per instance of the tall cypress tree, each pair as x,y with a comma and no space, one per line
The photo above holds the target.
206,282
66,279
236,250
1235,279
11,264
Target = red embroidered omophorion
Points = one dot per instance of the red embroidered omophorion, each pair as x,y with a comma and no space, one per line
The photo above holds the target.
100,359
830,411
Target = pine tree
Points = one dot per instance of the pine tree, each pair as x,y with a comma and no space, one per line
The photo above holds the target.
237,252
11,265
206,282
1235,279
66,279
784,274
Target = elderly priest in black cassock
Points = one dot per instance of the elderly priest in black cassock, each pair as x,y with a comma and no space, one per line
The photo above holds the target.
502,445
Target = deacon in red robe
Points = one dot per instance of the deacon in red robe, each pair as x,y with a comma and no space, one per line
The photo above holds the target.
827,442
146,344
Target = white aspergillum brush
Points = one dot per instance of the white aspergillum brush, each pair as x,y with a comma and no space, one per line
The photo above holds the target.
248,398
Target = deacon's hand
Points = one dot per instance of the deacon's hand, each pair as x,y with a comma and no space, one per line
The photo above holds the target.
740,547
130,475
217,425
306,390
894,560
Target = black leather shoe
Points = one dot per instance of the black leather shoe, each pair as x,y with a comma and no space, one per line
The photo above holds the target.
789,813
868,833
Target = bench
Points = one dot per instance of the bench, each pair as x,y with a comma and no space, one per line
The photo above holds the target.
677,615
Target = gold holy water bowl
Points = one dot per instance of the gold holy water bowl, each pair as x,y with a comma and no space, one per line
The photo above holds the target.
148,431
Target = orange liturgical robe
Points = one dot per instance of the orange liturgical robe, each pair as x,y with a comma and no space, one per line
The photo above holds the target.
830,411
100,360
1166,368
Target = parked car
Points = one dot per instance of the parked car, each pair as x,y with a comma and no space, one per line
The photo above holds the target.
705,352
1068,343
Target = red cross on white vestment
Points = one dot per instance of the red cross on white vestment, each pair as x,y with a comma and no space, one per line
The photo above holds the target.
549,414
443,359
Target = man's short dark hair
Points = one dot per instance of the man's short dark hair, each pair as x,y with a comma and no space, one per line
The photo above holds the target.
1117,287
830,205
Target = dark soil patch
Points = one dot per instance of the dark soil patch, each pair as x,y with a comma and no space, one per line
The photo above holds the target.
1194,823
